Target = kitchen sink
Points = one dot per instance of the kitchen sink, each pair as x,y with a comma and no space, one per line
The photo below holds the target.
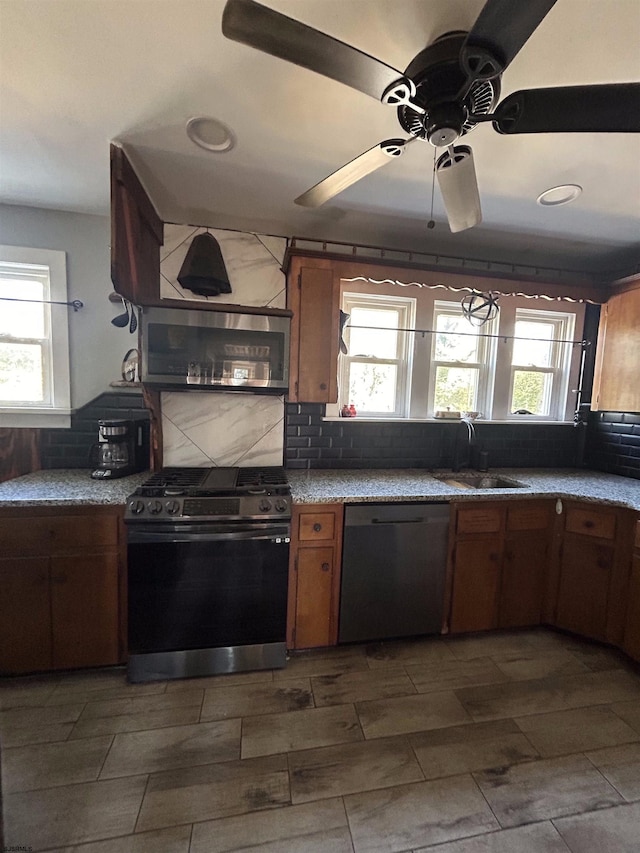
478,481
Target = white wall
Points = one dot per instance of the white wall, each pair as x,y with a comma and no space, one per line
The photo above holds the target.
96,347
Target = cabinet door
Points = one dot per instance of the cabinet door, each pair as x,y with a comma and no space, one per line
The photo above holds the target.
615,385
25,618
84,607
314,599
318,325
523,579
136,234
631,643
476,579
585,574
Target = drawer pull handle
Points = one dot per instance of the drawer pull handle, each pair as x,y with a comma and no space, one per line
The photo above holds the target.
317,527
589,524
325,567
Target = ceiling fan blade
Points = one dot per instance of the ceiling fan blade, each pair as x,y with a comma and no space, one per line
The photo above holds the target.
459,187
271,32
605,108
501,30
353,171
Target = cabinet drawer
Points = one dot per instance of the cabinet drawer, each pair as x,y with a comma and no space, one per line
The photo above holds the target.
83,533
48,535
590,522
479,520
316,526
528,518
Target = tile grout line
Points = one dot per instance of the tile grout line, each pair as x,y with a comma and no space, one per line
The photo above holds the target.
144,794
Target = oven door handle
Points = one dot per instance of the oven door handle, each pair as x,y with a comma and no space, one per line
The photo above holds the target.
177,533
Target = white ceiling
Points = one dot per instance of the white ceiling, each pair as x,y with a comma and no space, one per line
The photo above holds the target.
76,74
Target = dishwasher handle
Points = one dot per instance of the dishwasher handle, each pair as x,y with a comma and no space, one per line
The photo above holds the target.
419,520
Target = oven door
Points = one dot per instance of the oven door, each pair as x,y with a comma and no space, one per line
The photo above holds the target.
206,598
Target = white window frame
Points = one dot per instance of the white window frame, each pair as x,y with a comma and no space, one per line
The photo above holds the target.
55,410
485,365
564,368
406,308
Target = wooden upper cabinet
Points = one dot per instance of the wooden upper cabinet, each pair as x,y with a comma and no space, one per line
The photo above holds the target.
314,297
616,387
136,234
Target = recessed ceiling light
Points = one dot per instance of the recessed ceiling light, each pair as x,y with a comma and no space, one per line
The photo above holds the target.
559,195
210,134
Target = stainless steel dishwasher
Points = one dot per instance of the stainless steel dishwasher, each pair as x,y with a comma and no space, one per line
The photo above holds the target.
393,565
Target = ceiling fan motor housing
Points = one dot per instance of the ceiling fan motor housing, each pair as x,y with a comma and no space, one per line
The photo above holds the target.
438,78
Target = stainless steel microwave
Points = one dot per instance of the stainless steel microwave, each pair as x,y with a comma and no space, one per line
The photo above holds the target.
215,350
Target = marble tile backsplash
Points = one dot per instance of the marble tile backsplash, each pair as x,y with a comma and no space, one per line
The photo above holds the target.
202,428
253,263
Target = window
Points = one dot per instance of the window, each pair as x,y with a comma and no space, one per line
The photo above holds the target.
375,375
460,361
34,348
539,362
522,361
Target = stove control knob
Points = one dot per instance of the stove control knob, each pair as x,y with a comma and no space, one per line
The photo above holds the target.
154,507
281,505
264,505
136,507
172,507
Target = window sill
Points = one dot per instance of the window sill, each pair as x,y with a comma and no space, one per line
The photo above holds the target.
41,418
511,422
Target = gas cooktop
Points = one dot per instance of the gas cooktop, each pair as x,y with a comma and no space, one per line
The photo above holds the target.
219,494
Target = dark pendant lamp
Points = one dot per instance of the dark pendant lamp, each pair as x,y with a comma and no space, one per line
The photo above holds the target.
203,270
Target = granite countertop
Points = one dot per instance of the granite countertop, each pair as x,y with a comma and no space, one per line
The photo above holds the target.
414,484
75,486
64,486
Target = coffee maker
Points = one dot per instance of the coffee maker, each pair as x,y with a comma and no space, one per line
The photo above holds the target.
122,448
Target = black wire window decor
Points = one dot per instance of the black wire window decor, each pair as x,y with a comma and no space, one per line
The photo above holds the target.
480,308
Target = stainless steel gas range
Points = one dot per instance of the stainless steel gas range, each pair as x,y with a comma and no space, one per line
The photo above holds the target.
208,553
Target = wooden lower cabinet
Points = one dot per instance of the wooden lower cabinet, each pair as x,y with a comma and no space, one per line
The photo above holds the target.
314,576
593,572
499,561
61,584
25,615
631,642
476,584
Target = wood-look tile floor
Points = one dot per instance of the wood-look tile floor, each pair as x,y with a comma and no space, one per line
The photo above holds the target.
519,742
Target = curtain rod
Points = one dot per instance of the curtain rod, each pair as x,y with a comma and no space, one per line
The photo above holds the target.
76,304
505,338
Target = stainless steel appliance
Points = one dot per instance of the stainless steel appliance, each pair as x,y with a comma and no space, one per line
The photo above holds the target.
393,567
122,448
208,555
215,349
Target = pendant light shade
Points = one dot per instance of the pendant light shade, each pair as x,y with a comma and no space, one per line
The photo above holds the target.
203,270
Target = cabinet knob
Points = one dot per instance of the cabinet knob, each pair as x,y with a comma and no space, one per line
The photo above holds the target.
588,524
323,386
325,567
317,527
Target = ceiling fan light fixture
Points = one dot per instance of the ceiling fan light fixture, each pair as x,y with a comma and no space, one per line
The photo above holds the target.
210,134
457,181
562,194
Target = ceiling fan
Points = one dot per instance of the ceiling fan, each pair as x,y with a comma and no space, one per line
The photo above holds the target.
446,90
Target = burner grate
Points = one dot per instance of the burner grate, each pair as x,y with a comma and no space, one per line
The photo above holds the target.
261,477
183,477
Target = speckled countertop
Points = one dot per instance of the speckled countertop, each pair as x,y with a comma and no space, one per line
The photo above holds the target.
73,486
67,486
414,484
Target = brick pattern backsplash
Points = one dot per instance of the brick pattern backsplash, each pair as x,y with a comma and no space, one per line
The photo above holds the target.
70,448
312,442
613,443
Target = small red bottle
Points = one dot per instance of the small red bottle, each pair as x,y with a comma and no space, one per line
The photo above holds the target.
345,413
352,411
